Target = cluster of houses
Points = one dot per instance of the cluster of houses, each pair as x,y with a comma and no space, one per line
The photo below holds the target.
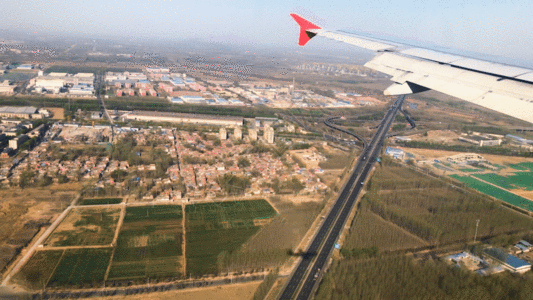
198,161
202,163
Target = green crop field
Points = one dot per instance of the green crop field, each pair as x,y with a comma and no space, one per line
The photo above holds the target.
100,201
470,170
496,192
36,272
81,266
524,166
86,226
520,180
215,230
208,250
234,214
149,244
153,213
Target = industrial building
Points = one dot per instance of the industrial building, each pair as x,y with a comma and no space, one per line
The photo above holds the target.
55,81
176,100
519,140
395,152
183,118
16,142
481,140
23,112
25,67
511,262
466,158
81,90
193,99
5,88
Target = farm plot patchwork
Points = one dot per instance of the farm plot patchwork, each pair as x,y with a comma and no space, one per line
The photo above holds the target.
84,227
215,230
149,244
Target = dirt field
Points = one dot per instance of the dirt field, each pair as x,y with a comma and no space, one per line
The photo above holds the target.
241,291
58,113
525,194
19,206
86,226
23,213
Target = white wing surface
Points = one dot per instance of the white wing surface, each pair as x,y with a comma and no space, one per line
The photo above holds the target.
500,87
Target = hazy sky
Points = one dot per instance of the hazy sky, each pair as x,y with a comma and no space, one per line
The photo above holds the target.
502,27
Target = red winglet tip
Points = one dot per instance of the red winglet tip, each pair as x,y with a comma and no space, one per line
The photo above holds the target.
304,26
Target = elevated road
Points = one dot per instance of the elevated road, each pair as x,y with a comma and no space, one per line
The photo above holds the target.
304,280
329,122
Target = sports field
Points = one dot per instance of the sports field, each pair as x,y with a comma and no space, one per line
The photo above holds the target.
149,244
496,192
101,201
215,230
84,227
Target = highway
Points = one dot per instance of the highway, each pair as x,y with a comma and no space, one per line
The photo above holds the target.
329,122
98,84
309,270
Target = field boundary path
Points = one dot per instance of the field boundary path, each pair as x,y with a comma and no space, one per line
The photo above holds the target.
184,241
148,288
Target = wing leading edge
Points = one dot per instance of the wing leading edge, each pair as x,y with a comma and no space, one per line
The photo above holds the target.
503,88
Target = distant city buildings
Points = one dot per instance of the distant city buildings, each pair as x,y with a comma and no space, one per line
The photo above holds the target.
183,118
80,84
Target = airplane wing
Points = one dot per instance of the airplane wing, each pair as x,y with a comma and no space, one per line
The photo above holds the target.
500,87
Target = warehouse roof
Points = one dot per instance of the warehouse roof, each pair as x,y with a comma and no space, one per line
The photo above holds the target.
185,116
18,110
516,262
